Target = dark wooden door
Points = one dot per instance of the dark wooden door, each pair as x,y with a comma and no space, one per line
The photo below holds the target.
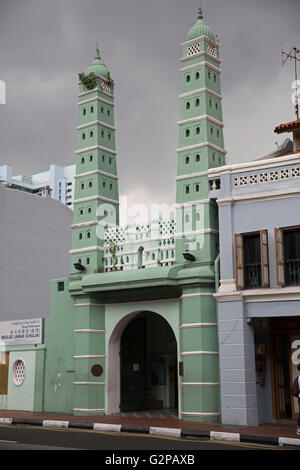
133,373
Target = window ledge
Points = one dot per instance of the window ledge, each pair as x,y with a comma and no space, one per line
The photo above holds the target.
260,295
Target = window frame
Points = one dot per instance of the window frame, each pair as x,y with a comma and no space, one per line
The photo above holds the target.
239,261
280,255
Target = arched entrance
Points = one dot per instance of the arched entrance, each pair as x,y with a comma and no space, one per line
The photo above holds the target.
148,364
147,374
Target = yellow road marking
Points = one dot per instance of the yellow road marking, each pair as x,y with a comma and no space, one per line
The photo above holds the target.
107,433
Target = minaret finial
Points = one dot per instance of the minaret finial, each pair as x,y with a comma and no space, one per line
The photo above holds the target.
97,56
200,14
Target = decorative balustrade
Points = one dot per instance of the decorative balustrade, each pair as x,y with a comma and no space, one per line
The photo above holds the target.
140,246
266,176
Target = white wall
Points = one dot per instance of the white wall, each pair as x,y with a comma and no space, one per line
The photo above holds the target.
35,238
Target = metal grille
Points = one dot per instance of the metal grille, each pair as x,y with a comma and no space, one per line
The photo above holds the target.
18,373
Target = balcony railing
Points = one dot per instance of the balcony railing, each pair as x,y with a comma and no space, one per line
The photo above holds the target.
292,270
252,275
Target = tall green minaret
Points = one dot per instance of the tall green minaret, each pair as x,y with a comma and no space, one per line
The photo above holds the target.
201,143
96,187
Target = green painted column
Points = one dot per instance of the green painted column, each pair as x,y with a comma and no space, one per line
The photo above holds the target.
89,358
201,147
201,143
96,199
199,355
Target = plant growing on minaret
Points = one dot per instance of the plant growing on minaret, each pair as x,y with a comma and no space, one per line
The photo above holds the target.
89,81
113,249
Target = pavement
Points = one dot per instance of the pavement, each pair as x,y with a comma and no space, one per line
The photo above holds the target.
160,422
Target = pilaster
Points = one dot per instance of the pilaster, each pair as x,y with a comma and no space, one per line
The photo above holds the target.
89,357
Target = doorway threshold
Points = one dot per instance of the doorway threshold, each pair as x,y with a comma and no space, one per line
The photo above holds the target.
163,413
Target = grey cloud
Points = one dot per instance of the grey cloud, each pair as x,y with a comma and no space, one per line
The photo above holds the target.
45,44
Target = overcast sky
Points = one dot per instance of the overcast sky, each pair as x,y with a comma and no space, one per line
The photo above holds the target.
44,44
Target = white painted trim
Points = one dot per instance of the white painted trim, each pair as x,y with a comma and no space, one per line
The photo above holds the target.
95,147
104,124
192,41
107,427
255,165
225,436
199,353
200,294
261,295
90,305
259,197
200,384
97,89
175,432
84,224
200,118
193,203
197,325
93,198
229,297
98,98
89,383
96,172
202,53
89,410
86,330
200,90
282,441
196,232
203,144
191,175
86,250
199,64
90,356
196,413
49,423
6,420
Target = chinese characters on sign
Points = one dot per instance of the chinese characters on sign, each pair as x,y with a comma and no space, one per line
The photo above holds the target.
21,332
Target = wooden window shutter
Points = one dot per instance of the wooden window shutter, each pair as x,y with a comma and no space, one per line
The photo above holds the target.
264,256
239,261
4,359
279,252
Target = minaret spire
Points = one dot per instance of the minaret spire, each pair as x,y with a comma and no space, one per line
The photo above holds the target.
200,14
97,56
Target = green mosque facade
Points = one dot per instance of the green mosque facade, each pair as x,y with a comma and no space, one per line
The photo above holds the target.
134,325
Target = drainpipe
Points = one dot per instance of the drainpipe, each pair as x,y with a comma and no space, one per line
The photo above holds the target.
217,272
217,282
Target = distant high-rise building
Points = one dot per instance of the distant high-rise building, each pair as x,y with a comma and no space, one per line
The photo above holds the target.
60,180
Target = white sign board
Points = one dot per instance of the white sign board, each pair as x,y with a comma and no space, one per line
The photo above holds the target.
20,332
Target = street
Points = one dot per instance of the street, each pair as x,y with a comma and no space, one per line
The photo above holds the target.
32,438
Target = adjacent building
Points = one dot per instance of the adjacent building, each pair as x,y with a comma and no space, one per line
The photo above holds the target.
34,244
259,293
59,179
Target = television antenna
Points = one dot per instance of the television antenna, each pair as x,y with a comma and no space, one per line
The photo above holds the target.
292,55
